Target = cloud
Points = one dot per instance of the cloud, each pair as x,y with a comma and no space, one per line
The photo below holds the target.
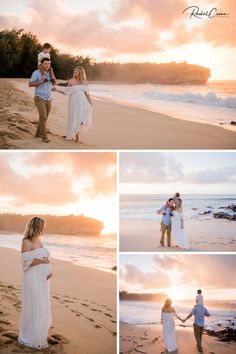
54,188
225,174
100,166
219,30
151,167
158,13
200,271
88,29
129,27
145,280
49,177
155,167
167,15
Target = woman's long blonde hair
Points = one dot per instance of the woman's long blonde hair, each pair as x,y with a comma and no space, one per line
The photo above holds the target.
82,74
167,305
34,228
178,203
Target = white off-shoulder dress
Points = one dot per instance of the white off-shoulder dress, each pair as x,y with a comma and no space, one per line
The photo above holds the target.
179,235
168,329
35,318
79,110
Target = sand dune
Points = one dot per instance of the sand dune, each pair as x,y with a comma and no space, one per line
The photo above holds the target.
83,308
114,126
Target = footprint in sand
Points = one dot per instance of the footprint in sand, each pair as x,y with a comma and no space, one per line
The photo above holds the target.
97,326
56,297
4,322
96,310
107,314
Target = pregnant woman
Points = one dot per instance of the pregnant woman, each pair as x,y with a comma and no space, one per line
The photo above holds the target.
80,104
35,319
177,226
168,322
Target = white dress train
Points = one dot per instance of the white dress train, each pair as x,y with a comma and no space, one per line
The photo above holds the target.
179,235
79,110
35,318
168,329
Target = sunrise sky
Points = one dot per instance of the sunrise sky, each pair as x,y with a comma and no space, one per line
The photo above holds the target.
179,276
131,30
60,183
187,172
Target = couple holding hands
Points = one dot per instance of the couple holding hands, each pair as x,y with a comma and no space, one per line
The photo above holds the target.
167,319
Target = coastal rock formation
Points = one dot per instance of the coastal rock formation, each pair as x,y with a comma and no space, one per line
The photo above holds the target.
206,212
223,215
225,335
167,74
141,297
77,225
231,207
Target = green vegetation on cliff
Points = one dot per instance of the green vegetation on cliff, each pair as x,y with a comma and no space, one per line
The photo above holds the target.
19,52
141,297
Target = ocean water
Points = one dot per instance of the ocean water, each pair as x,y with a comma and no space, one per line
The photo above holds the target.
222,313
144,206
93,252
214,102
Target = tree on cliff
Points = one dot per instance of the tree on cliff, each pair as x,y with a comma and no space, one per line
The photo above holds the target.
19,59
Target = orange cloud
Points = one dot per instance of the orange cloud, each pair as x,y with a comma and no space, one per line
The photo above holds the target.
130,26
43,184
205,271
100,166
158,13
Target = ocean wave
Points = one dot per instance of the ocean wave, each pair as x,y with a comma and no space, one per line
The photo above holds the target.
149,313
210,99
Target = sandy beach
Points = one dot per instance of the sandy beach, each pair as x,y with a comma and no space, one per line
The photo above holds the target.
148,340
204,235
114,126
83,308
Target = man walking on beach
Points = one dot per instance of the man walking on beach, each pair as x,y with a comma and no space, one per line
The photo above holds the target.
199,313
42,97
165,227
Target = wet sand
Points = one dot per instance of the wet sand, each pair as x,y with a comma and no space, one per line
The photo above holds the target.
148,340
204,235
114,126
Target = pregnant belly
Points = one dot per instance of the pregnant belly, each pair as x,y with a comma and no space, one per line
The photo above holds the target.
46,269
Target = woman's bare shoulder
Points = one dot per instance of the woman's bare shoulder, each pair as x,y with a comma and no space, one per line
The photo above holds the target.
26,245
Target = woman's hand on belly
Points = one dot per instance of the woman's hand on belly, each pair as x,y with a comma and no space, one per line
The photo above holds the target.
49,276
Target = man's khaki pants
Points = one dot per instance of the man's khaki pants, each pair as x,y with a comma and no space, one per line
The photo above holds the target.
198,331
43,109
165,229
